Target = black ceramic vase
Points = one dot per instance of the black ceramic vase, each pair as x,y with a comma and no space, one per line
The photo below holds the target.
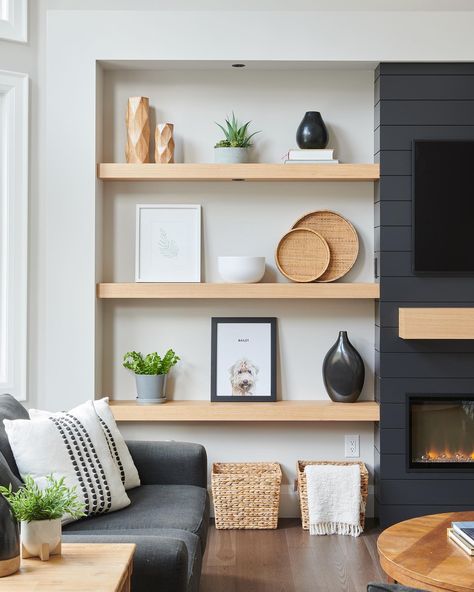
312,132
343,371
9,540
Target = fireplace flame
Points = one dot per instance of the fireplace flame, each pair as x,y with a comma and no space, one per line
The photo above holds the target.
447,455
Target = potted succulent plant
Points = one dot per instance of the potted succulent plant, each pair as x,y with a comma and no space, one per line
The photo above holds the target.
151,373
40,511
236,143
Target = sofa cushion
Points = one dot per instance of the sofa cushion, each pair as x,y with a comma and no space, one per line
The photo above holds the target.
165,560
182,507
10,408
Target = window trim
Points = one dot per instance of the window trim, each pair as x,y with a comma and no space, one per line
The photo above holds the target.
14,88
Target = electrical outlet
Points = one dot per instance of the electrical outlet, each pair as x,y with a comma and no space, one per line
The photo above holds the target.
351,446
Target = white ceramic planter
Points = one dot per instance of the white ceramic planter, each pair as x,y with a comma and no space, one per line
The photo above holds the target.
41,538
151,388
231,155
241,270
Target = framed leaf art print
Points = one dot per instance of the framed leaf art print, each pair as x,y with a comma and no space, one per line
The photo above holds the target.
168,243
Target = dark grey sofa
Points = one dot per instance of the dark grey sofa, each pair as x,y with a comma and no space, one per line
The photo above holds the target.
167,519
390,588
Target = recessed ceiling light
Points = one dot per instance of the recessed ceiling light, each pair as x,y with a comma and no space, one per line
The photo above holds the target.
238,65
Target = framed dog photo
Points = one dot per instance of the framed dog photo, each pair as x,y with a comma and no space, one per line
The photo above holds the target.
243,359
168,243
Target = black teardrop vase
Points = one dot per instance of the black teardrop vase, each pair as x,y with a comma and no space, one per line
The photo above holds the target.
343,371
9,540
312,132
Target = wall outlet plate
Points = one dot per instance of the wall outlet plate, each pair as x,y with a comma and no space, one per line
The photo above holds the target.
351,446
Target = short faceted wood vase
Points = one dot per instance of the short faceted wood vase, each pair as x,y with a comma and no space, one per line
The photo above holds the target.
343,371
138,130
9,541
164,143
41,538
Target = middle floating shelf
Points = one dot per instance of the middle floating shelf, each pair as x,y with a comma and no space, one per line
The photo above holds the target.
321,291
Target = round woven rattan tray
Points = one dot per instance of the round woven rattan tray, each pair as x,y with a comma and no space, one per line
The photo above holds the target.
302,255
341,238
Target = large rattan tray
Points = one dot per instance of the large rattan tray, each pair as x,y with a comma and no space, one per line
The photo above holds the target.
341,238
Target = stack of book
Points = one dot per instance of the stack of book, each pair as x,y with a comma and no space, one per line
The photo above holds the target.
315,156
462,533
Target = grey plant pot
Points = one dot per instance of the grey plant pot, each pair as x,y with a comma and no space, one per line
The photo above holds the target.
231,155
151,388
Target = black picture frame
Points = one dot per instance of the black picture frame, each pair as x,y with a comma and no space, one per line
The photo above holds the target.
248,398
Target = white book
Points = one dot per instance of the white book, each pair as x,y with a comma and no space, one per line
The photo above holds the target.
316,154
333,161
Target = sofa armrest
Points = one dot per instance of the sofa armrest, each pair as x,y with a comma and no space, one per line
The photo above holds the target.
170,463
159,565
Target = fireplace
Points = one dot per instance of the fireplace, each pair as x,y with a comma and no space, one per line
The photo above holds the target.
441,432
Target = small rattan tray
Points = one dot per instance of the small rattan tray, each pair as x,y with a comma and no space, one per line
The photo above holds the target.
302,255
341,237
246,495
303,488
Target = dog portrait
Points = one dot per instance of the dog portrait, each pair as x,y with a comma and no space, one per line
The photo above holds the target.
243,360
243,377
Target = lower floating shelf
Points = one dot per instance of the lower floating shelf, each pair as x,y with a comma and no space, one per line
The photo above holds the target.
279,411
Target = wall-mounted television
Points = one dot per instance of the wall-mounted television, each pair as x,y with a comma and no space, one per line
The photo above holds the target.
443,207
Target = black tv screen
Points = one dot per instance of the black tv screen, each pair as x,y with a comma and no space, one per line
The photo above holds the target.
443,210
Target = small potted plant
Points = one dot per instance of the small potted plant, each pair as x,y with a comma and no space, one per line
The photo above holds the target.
151,373
236,144
40,511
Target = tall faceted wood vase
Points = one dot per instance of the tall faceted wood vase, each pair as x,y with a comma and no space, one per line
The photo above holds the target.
164,143
138,130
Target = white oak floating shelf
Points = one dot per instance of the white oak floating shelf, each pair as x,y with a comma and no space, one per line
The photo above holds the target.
238,172
289,411
240,291
436,323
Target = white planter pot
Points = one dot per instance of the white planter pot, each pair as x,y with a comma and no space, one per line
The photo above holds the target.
231,155
41,538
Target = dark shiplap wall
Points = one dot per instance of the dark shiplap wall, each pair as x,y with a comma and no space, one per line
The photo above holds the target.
415,101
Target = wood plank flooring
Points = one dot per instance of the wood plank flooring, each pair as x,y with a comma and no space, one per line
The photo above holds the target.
289,560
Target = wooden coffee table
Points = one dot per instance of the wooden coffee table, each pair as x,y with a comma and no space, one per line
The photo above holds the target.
418,553
80,568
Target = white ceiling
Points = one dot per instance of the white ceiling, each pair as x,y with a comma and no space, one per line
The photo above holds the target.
266,5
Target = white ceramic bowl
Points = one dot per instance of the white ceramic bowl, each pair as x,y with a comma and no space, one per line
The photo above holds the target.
241,270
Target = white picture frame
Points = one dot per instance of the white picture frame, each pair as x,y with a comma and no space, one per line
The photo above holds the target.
168,243
14,88
14,20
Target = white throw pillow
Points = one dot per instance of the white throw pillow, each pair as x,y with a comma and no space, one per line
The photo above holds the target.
73,446
117,446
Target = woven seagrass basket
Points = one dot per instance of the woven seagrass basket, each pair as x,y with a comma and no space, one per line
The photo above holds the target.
246,495
303,489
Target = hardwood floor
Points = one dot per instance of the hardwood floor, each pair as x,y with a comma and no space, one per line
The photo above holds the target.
289,560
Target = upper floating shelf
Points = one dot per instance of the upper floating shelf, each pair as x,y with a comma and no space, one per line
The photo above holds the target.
238,172
240,291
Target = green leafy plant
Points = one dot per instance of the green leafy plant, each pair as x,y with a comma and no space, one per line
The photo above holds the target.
151,363
235,134
32,503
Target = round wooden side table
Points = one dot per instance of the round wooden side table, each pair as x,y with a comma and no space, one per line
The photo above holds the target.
418,553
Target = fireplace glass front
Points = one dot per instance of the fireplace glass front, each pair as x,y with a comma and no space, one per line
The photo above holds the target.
441,432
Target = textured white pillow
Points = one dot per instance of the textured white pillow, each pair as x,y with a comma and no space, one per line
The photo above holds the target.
73,446
117,447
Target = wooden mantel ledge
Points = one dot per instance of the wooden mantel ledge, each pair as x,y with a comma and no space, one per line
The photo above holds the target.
290,411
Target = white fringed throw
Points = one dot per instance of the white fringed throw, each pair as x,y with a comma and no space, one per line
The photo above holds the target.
334,499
